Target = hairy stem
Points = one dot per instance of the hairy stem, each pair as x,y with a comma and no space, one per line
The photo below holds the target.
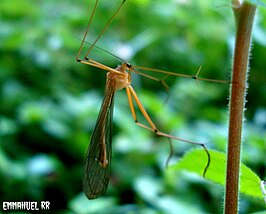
244,15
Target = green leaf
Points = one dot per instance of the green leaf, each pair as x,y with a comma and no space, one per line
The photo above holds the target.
195,161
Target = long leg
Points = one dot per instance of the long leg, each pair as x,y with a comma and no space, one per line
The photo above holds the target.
153,78
86,32
98,65
180,75
105,27
131,93
100,34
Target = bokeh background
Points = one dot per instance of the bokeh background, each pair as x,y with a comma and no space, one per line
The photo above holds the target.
49,102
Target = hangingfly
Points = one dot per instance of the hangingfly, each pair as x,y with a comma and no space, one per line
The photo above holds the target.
97,167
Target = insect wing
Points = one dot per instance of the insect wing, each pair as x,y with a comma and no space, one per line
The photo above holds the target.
95,175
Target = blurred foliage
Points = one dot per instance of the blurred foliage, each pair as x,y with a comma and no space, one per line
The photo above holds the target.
49,103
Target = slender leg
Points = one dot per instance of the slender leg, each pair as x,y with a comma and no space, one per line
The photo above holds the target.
98,65
131,93
196,77
100,34
86,32
154,78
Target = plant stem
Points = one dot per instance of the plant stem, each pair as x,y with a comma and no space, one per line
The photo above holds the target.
244,15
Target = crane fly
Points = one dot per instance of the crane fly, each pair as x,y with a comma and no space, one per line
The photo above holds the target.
96,171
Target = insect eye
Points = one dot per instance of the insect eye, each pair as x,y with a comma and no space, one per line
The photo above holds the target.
128,65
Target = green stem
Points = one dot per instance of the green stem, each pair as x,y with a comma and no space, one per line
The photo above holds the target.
244,15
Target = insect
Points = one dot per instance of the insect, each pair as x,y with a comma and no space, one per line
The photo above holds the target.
97,166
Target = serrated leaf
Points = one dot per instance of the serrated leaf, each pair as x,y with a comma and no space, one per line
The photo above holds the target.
196,160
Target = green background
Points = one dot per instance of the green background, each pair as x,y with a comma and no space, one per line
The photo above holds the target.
49,102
